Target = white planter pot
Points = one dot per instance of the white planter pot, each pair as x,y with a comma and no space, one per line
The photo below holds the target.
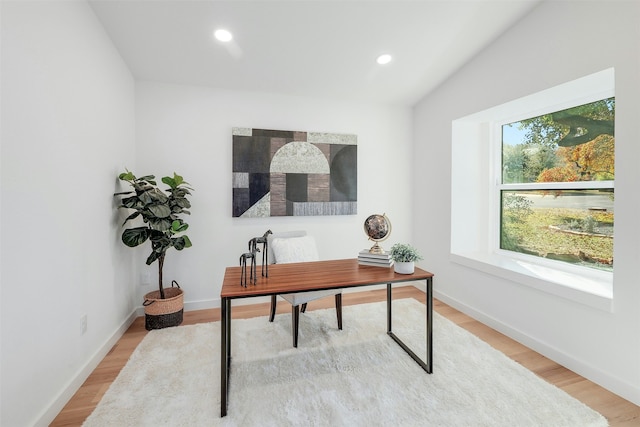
404,267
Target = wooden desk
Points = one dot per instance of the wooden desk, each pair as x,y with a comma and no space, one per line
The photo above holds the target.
315,276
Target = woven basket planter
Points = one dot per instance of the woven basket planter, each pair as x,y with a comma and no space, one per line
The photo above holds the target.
163,313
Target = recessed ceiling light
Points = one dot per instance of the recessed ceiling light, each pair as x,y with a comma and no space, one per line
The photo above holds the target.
223,35
383,59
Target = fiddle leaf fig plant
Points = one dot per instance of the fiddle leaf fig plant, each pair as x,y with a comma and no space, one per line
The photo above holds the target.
160,212
402,252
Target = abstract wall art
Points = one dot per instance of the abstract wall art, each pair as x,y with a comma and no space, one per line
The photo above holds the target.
294,173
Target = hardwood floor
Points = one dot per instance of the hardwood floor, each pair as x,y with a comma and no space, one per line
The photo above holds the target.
619,412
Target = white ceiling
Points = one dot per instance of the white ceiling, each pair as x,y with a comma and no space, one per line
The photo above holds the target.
304,47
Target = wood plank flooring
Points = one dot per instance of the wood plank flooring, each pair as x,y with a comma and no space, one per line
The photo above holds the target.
619,412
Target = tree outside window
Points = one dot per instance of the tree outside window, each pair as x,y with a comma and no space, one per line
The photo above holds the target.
557,187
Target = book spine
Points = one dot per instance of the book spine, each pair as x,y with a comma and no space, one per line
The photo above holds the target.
367,254
367,258
375,264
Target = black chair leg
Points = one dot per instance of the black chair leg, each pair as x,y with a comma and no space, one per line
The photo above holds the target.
272,311
295,315
295,321
339,310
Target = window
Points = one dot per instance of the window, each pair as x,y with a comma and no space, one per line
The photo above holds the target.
504,189
556,185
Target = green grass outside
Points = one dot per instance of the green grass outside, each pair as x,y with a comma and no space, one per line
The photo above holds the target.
534,234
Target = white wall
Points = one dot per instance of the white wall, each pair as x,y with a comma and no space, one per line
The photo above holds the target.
71,121
579,38
188,130
67,123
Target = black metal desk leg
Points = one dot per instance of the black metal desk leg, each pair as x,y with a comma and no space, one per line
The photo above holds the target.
429,303
228,338
389,299
428,365
225,353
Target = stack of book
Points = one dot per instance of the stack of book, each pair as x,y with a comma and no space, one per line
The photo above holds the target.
377,260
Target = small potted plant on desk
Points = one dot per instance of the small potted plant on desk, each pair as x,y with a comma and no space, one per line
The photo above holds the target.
160,213
404,257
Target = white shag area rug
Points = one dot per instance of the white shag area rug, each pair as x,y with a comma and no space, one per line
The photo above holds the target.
355,377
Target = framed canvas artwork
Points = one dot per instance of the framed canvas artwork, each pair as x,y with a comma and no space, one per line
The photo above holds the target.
294,173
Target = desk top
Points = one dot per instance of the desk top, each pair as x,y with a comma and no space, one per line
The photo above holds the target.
313,276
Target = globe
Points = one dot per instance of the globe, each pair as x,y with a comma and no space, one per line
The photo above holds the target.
378,228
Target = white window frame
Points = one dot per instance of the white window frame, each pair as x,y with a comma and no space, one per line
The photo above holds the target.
476,164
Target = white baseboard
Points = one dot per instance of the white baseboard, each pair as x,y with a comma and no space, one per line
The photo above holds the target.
52,411
215,303
615,385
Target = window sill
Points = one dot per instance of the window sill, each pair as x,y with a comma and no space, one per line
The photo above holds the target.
592,288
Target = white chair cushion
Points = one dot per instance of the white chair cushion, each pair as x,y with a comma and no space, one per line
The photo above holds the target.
294,249
271,259
305,297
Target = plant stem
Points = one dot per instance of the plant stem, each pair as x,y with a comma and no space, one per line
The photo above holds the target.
160,265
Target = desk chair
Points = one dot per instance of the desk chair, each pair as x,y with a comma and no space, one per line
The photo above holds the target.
296,246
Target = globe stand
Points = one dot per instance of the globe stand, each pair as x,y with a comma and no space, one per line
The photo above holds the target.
376,249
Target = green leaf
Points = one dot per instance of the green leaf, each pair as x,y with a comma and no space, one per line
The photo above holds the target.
145,197
132,216
160,211
180,192
154,256
153,195
148,178
130,202
183,203
169,181
178,226
181,242
173,182
160,224
133,237
156,235
127,176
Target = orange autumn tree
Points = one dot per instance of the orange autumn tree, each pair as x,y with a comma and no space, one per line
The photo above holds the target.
582,138
592,160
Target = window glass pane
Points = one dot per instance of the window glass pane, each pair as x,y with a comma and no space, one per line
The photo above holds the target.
576,144
574,226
